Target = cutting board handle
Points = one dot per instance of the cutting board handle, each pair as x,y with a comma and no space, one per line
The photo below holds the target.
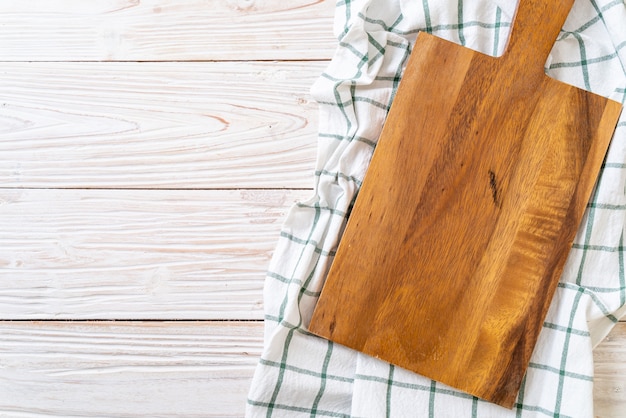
536,26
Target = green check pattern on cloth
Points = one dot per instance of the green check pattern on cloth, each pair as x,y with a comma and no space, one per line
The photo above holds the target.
303,375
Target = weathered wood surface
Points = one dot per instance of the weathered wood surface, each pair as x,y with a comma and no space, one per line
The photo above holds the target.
470,250
157,125
173,369
138,369
161,30
137,254
610,375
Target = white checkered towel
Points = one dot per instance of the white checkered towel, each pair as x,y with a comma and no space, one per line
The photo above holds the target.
303,375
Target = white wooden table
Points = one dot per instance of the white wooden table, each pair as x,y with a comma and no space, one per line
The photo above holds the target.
149,152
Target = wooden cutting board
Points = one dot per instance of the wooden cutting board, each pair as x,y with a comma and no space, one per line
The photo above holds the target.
468,211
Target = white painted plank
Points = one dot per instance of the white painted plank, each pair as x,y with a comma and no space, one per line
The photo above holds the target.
610,375
155,30
157,125
171,369
132,254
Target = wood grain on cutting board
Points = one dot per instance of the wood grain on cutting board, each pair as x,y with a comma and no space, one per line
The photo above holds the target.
468,211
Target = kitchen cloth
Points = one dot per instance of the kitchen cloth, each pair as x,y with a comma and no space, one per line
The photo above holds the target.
300,374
